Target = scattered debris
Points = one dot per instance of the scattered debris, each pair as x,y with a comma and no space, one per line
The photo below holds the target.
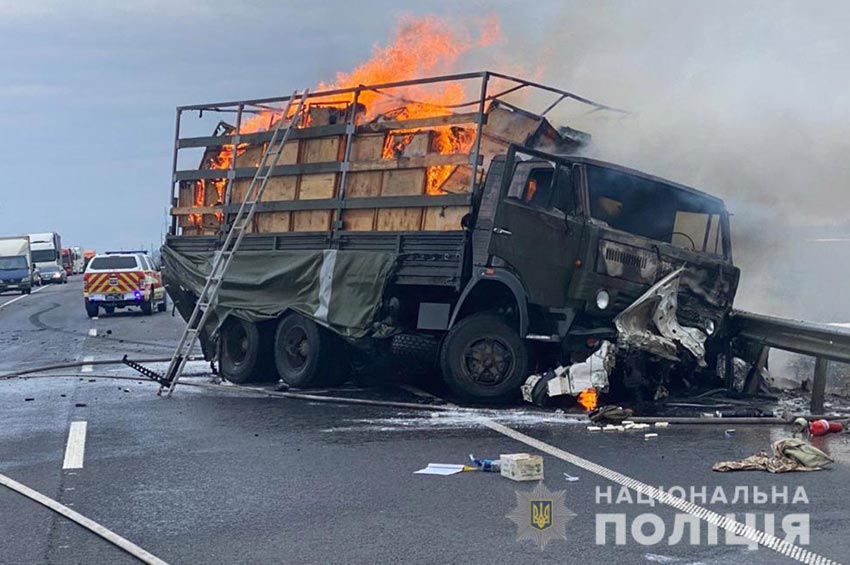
662,424
591,374
789,455
441,469
823,427
570,478
594,428
80,405
609,414
649,436
28,399
522,466
485,465
729,433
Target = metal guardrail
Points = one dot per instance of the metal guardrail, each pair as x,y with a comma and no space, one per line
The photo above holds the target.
796,336
822,341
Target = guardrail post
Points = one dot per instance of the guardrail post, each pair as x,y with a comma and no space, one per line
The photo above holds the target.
819,385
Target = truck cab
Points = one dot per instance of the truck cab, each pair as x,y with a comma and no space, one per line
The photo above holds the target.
579,242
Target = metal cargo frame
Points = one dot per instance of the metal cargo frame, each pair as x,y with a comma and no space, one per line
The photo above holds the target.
477,116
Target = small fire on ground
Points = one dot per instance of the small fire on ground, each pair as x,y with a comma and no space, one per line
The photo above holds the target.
588,399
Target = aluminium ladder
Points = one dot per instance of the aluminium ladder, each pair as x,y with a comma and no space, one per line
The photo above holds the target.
222,260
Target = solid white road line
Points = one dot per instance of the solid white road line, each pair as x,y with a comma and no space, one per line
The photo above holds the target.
112,537
39,289
770,541
76,448
88,367
93,332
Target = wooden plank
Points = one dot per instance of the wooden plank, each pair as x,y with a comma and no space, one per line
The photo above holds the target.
358,185
186,210
419,146
510,125
449,119
317,186
272,222
410,162
445,218
399,219
315,220
253,154
278,188
367,147
403,183
459,181
359,220
322,150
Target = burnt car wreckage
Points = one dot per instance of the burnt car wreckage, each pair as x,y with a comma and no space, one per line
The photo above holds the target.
525,257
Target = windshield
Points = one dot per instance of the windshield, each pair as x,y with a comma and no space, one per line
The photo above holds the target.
43,255
50,269
13,263
112,263
655,210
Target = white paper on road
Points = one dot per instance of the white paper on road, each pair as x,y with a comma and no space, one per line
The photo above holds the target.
443,469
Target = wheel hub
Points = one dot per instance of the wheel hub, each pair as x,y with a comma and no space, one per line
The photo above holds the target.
488,361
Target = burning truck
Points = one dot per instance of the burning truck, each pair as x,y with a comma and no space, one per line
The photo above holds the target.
472,236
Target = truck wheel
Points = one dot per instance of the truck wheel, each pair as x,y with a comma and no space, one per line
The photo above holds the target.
27,291
147,307
162,306
307,355
484,360
91,309
240,351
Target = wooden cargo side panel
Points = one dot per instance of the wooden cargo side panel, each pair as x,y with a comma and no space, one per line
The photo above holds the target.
367,147
278,189
314,187
361,185
254,154
401,182
322,150
444,218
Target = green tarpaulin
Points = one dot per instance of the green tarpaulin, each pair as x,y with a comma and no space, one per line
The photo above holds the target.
341,290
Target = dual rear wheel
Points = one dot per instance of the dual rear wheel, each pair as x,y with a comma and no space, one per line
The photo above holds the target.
299,351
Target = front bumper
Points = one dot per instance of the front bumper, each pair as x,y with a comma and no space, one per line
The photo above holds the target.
14,286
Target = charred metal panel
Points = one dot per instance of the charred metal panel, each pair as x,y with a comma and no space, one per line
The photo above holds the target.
483,231
627,262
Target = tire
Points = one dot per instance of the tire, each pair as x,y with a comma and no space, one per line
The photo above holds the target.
483,359
91,309
242,351
162,306
147,307
307,355
27,291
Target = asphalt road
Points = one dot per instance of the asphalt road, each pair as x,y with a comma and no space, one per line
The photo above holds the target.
210,476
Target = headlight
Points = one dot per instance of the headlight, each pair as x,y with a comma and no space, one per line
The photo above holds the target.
710,327
603,299
25,279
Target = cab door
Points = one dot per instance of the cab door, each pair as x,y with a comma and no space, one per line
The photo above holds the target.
537,228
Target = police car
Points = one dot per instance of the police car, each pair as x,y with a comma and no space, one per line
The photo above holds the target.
119,280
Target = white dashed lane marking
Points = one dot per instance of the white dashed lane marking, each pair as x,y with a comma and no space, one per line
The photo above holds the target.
76,448
93,332
88,367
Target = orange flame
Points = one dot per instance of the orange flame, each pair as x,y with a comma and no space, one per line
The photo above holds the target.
420,47
588,399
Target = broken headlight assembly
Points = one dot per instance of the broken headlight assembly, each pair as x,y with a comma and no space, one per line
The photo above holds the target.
603,299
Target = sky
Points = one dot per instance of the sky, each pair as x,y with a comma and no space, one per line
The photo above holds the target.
746,100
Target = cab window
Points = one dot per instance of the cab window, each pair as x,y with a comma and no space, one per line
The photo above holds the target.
532,184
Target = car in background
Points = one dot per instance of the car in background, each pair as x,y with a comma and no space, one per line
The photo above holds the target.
119,280
53,274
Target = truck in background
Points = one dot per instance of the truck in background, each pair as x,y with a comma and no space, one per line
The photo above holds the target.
45,248
16,271
67,260
88,255
78,266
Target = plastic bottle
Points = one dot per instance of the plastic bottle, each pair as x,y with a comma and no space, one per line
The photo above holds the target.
486,465
819,428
